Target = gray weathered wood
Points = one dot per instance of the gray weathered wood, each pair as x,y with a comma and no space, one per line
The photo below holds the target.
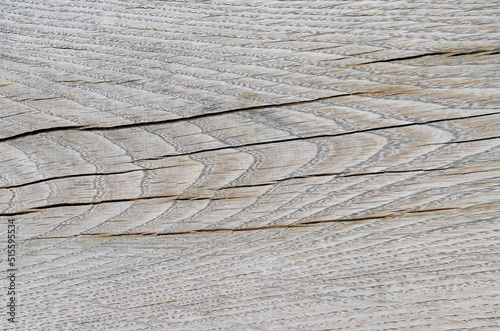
252,165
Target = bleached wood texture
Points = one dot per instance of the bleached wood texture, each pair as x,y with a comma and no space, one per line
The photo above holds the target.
252,165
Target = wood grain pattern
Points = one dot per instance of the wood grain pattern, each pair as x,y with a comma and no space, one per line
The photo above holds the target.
252,165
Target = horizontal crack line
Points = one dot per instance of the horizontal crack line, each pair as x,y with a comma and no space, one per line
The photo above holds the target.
214,114
339,174
46,130
449,53
401,58
91,174
278,141
177,198
288,226
298,225
92,203
174,120
463,141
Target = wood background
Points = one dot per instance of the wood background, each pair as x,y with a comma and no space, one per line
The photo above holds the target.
252,165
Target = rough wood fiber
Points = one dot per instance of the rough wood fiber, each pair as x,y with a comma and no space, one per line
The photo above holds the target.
252,165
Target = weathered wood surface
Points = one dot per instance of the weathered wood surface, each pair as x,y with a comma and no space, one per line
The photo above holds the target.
252,165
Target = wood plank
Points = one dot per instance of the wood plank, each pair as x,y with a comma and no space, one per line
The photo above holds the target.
251,165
